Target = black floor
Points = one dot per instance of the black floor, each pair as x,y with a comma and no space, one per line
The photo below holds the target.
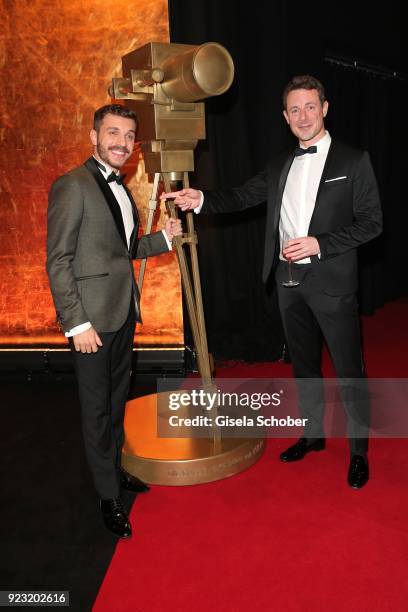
51,533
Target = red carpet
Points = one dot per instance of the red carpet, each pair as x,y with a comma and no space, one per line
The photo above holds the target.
277,537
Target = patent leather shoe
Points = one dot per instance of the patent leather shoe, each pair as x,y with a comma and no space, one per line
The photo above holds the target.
131,483
301,448
358,473
115,518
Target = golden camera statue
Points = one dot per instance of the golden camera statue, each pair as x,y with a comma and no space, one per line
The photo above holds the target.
165,85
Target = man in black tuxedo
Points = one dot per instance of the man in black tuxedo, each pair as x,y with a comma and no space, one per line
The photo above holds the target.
92,239
324,196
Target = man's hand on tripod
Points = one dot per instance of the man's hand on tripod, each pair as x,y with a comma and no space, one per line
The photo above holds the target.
173,228
186,199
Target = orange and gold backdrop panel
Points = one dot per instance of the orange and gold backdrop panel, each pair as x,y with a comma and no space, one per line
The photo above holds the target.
57,61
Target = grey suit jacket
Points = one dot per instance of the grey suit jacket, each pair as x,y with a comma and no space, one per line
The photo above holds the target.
88,262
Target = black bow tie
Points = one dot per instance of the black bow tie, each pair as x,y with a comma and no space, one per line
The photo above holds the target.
299,151
119,178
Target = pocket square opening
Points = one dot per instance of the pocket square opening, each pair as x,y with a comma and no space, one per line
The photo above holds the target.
337,178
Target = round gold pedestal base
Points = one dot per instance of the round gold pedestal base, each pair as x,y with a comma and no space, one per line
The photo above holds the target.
179,461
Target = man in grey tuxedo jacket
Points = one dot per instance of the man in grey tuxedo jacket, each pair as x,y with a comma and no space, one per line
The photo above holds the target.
324,196
91,241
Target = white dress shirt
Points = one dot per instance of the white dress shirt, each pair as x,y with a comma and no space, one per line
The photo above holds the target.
299,196
126,209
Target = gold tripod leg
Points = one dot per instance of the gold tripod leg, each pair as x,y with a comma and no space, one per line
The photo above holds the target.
149,224
193,298
197,283
194,302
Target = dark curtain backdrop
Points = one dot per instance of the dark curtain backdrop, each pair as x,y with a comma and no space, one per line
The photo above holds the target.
269,42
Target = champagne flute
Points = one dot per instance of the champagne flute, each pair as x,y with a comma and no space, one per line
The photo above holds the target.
290,282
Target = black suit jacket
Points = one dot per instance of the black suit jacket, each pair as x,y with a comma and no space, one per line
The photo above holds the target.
347,212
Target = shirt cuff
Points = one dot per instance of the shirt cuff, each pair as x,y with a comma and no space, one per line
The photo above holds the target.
199,207
170,246
78,329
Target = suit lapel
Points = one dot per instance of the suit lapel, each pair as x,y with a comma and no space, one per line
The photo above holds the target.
281,187
109,197
329,159
134,236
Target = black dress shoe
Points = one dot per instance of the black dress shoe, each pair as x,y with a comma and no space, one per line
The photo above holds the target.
131,483
115,517
358,472
301,448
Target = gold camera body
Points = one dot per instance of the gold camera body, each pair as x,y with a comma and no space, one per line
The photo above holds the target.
165,83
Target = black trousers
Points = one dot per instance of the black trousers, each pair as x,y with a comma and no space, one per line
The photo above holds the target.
308,314
103,384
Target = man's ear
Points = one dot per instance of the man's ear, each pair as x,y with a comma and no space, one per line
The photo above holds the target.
94,137
285,114
325,108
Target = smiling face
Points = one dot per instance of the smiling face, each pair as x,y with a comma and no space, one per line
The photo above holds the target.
115,140
305,115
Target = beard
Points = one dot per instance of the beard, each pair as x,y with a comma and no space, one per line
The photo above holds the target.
104,155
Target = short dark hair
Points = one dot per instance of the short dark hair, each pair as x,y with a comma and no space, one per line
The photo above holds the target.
112,109
303,81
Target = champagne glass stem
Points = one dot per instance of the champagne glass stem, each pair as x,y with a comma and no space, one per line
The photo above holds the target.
290,271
